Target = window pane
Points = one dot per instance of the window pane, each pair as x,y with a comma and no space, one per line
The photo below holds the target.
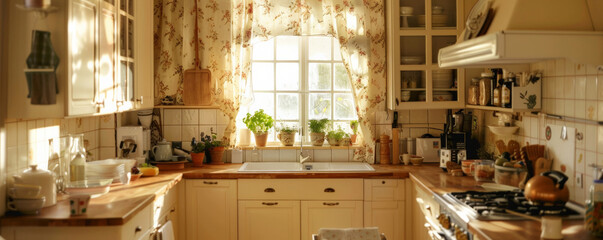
319,76
287,106
342,82
287,76
287,48
344,106
319,106
319,48
336,50
263,101
262,75
345,126
263,50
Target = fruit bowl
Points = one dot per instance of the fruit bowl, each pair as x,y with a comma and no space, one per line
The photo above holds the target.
135,177
416,160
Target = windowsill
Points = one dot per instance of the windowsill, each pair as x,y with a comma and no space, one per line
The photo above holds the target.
307,147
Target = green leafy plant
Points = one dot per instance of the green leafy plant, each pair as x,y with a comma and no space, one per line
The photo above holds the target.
197,147
318,126
354,126
287,129
206,142
259,123
336,134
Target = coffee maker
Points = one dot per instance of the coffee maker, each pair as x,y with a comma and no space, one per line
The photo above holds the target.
457,133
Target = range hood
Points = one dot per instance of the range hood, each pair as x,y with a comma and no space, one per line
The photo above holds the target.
527,31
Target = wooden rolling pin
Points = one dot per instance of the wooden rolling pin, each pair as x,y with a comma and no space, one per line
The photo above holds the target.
384,140
395,146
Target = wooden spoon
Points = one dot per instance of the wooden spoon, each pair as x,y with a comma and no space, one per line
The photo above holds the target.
500,145
513,148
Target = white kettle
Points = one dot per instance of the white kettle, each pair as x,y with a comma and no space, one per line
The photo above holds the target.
42,178
162,151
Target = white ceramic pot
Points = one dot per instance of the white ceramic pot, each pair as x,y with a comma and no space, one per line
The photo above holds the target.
317,139
162,151
42,178
287,138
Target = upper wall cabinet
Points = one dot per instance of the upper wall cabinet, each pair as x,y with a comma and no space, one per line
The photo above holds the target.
105,56
416,30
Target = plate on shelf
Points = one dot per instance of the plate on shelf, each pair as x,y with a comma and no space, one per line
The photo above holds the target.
442,96
412,59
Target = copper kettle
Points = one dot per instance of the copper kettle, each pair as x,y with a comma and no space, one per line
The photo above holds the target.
548,188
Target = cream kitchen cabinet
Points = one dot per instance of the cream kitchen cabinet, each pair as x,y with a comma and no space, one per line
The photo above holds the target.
84,36
384,207
297,208
211,209
414,38
269,219
424,214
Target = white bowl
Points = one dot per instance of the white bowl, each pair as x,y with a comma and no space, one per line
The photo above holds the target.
439,20
503,131
406,10
437,10
26,206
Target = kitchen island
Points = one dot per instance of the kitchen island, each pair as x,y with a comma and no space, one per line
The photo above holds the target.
123,202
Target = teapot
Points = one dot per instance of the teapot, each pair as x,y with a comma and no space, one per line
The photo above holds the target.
162,151
42,178
549,187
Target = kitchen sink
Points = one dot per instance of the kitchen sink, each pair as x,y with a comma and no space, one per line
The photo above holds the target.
306,167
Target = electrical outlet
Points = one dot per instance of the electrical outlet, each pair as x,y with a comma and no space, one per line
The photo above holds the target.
579,183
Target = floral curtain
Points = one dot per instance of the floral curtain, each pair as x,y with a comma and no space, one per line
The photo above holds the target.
357,24
174,51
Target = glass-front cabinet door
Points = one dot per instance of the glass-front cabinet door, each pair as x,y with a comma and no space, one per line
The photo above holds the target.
125,86
416,31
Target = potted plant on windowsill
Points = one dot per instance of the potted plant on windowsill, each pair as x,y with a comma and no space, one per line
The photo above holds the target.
197,153
354,127
259,123
214,149
334,137
287,135
317,131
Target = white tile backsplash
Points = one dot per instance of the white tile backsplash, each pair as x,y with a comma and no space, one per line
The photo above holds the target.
321,155
172,117
339,155
270,155
172,133
188,132
190,117
418,116
207,116
288,155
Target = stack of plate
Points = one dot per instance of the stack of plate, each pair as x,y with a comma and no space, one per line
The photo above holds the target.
442,78
437,20
118,170
94,188
442,96
412,59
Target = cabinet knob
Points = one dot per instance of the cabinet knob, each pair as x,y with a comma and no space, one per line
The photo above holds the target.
330,204
210,182
140,100
138,229
269,190
382,182
270,203
329,190
173,209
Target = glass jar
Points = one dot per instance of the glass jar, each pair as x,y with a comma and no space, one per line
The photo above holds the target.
485,89
473,92
77,165
58,160
593,217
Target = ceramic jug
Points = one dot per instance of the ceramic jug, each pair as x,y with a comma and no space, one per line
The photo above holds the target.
162,151
42,178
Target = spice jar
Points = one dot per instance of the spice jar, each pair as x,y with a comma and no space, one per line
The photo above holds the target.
473,92
485,88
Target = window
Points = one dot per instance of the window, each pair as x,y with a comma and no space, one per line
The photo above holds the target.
299,78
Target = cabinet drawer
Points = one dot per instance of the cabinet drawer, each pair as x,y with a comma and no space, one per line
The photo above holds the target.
139,225
166,202
300,189
384,189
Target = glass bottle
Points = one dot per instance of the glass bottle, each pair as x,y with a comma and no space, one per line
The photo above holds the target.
77,165
484,89
506,91
593,217
473,92
496,99
58,160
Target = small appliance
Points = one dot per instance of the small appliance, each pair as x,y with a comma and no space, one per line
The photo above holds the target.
130,141
429,148
455,138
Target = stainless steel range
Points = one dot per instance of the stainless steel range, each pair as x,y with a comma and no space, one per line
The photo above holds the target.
458,208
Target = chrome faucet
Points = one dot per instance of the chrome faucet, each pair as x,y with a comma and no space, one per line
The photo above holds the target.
302,159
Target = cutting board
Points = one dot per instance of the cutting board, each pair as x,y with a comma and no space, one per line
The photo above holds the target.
562,152
197,87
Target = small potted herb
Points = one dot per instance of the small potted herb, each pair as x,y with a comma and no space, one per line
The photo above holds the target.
259,123
197,152
334,137
354,127
317,131
286,135
214,147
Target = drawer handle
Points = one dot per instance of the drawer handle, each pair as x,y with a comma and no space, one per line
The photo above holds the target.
269,190
269,203
330,204
329,190
382,182
173,209
209,182
138,229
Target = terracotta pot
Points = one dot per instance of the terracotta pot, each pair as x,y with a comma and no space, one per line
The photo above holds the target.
353,138
287,138
216,155
333,141
198,159
260,140
317,139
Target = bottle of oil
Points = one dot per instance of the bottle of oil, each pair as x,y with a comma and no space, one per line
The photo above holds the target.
506,91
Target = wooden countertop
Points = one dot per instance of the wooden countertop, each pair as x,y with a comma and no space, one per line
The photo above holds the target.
124,201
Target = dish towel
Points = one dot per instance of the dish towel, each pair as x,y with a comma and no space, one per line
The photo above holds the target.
349,234
43,87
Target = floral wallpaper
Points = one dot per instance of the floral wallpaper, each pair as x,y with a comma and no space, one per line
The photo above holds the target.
227,29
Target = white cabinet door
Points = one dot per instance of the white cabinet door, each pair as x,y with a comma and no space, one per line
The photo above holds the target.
143,53
388,216
211,209
329,214
261,220
106,61
82,57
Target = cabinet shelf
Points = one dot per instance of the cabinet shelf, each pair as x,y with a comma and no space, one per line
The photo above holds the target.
413,89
